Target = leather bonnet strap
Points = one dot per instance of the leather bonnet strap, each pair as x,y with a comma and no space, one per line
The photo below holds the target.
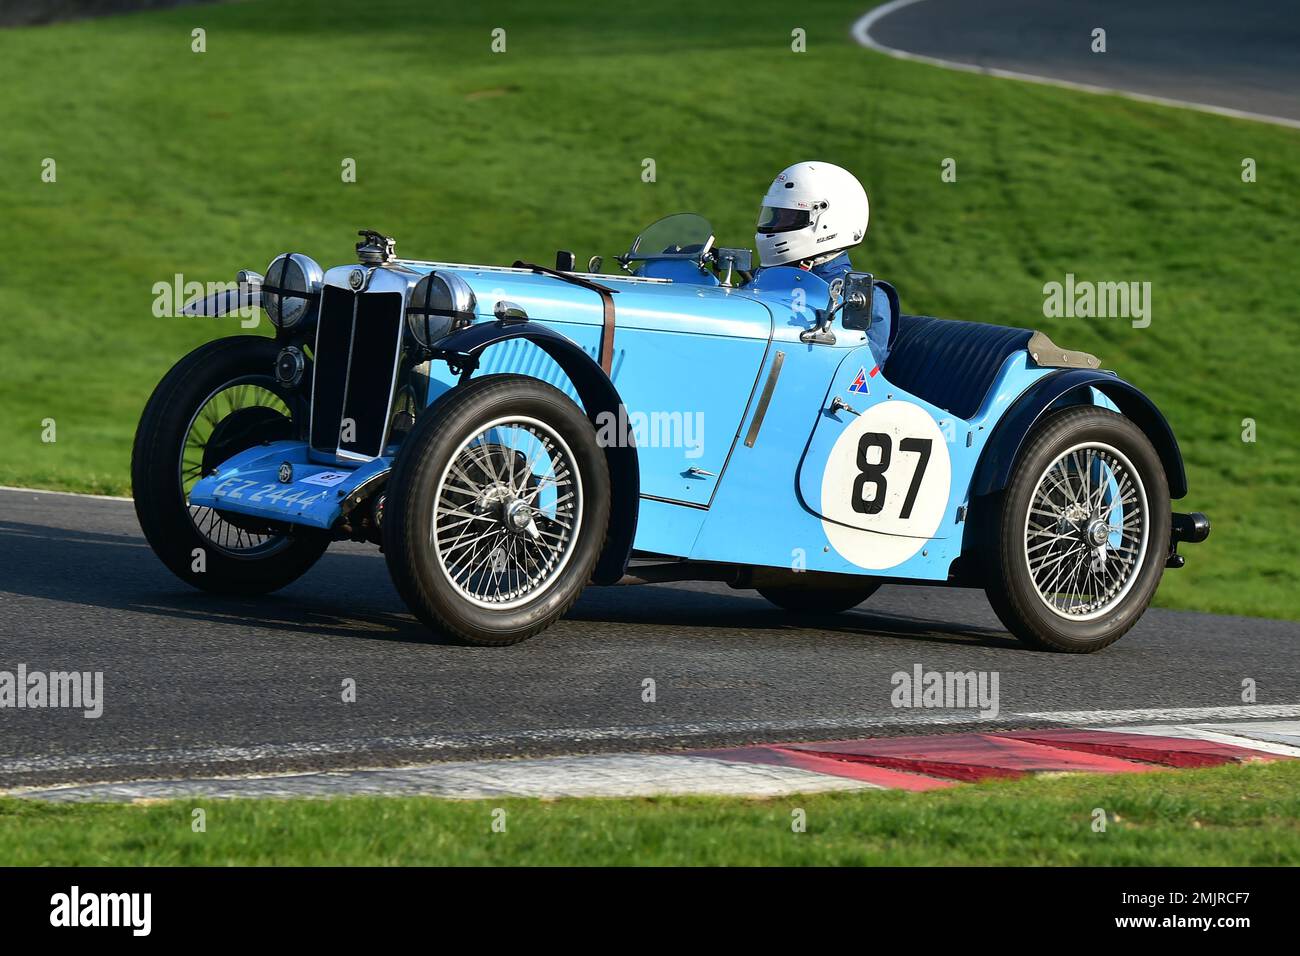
606,303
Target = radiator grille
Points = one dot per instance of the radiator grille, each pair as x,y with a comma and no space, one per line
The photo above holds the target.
358,342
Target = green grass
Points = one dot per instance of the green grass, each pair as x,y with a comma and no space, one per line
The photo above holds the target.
170,161
1238,815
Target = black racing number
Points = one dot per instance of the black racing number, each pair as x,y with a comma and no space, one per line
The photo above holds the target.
873,473
918,446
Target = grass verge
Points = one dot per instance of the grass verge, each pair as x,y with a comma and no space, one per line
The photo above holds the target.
1227,816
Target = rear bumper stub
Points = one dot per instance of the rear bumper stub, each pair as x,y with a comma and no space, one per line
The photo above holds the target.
1189,528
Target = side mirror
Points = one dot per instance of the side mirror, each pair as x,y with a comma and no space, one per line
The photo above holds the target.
565,261
859,290
594,263
741,260
852,294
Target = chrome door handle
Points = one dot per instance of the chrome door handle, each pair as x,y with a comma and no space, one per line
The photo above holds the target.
838,403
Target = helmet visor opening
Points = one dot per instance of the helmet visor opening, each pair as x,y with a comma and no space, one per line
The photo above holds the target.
776,219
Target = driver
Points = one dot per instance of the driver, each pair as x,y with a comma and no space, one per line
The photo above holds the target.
811,214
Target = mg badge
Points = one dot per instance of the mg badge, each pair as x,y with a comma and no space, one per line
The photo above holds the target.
286,473
357,279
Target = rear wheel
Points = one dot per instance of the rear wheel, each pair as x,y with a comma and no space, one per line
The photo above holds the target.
219,400
1082,533
819,600
497,510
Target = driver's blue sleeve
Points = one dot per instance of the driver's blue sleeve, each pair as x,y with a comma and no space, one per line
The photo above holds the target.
882,321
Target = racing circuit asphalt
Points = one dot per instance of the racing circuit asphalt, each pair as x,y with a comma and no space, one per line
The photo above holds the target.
1243,56
199,684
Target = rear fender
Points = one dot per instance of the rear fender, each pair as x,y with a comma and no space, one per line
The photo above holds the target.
1065,387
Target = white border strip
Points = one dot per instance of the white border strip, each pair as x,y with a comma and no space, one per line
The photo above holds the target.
600,775
369,752
862,33
1234,735
609,775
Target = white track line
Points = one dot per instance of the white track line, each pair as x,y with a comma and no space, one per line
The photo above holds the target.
66,494
862,33
1157,714
369,751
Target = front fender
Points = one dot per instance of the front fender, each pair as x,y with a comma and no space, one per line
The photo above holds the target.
246,295
461,350
1014,427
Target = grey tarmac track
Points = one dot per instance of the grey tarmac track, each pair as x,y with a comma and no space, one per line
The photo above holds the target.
1239,56
196,684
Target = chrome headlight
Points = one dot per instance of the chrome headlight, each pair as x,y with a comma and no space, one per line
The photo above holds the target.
291,290
440,303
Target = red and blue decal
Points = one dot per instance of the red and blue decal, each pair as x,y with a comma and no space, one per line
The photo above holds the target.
860,380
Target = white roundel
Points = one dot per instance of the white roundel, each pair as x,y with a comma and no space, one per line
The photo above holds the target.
885,487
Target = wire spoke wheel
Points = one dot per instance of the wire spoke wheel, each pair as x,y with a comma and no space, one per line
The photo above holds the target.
497,510
1086,531
233,418
506,511
216,402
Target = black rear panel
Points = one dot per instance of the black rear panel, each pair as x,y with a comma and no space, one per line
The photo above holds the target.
357,345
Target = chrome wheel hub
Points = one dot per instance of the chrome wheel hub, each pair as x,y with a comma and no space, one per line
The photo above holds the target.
1098,532
1086,531
516,515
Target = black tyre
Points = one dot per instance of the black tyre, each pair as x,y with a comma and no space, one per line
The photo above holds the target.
512,470
1081,533
819,600
219,400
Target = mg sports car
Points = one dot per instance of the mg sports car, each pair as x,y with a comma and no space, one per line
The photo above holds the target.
511,435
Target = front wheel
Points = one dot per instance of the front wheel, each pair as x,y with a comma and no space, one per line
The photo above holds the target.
497,510
1081,534
219,400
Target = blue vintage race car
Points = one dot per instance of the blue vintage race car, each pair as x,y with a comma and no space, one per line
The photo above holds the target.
510,436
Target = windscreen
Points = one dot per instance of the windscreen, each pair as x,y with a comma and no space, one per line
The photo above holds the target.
684,234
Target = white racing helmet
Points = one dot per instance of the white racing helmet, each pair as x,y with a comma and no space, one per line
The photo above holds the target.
811,211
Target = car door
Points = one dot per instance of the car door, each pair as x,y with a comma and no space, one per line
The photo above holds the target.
878,460
686,362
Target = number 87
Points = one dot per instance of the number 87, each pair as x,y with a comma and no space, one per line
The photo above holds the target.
874,473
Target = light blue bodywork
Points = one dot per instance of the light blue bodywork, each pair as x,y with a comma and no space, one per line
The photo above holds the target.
693,357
